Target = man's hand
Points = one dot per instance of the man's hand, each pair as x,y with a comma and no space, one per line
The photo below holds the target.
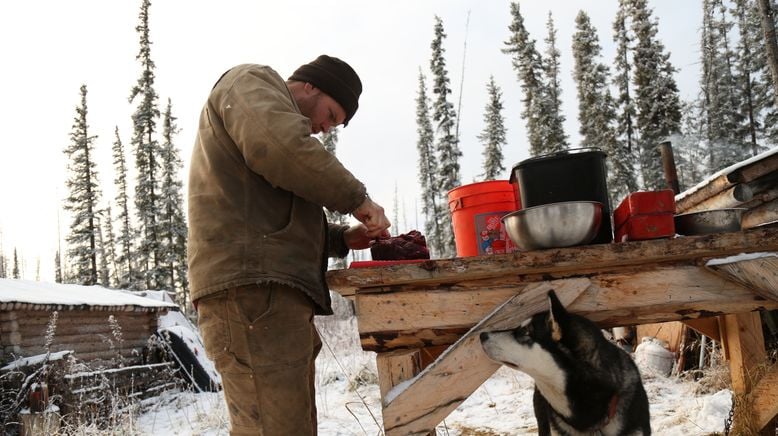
356,237
372,216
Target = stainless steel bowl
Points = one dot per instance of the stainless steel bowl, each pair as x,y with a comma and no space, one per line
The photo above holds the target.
554,225
709,221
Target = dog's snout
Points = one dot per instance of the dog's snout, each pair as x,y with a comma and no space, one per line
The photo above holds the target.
484,336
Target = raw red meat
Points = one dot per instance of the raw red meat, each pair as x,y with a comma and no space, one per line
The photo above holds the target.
411,245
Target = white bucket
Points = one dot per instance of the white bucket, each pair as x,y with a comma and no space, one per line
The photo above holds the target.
652,355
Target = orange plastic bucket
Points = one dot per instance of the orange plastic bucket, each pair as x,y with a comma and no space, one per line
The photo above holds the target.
476,210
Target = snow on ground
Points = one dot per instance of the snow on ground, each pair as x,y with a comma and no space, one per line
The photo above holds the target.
502,406
347,393
348,400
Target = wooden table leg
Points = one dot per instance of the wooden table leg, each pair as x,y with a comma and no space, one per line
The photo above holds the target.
744,342
396,367
765,395
745,347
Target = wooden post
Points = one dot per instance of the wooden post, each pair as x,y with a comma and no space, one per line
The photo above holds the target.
396,367
765,396
668,165
42,423
745,344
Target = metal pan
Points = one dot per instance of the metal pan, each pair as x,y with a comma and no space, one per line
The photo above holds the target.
709,221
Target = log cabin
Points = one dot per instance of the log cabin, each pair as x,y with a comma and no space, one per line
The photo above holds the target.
86,321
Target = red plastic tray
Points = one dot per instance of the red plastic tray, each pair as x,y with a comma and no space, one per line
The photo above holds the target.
371,263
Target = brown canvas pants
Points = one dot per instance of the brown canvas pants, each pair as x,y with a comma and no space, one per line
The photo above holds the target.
264,344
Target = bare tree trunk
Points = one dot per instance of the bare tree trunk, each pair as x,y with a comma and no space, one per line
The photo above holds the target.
768,27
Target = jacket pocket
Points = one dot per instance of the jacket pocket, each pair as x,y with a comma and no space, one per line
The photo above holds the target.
212,320
253,302
287,335
288,219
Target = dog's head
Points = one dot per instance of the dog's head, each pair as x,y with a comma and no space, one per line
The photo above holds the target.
532,345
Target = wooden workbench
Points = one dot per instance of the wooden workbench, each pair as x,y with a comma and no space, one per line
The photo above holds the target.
423,319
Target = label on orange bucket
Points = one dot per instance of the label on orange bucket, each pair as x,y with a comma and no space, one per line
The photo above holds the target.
491,235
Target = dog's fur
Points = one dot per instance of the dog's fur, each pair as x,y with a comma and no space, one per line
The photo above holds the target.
584,384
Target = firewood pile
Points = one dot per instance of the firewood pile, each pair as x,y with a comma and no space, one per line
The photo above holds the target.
751,184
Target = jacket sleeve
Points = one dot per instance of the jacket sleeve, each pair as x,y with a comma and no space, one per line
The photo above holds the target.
336,245
275,139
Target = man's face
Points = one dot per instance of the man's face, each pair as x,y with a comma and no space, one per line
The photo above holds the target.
323,111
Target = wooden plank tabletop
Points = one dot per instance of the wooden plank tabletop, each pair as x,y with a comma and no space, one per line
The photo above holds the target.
573,261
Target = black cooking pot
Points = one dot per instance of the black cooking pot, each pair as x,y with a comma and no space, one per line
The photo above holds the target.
572,175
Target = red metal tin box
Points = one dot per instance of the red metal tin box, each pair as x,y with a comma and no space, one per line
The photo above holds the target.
645,215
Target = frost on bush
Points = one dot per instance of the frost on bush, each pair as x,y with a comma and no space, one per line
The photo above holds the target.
364,377
116,341
51,330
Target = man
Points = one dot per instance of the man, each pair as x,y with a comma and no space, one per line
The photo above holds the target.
258,238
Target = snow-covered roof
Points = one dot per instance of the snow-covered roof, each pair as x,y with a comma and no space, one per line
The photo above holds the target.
725,171
30,295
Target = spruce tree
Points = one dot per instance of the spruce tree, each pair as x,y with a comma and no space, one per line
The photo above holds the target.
147,164
57,268
173,229
494,133
554,137
656,94
109,248
756,101
128,277
725,122
15,273
626,135
597,110
3,259
528,65
768,17
447,144
428,175
330,142
82,201
690,155
103,273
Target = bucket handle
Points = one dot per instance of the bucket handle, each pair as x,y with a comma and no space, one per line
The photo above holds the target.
459,203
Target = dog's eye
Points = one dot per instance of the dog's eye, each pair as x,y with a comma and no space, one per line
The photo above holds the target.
523,331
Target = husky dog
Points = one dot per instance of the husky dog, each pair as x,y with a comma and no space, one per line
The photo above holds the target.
584,384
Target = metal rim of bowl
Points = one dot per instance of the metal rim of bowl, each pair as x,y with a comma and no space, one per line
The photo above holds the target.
521,212
701,222
541,206
700,212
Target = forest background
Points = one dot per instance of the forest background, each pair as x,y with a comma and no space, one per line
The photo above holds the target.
103,101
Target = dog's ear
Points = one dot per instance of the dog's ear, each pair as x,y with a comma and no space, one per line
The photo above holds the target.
557,313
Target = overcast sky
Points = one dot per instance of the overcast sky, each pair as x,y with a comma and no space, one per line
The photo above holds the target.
50,48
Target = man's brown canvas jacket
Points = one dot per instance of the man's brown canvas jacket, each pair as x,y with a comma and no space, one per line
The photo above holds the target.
257,184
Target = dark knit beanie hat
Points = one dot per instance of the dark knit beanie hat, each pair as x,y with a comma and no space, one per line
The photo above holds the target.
336,79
